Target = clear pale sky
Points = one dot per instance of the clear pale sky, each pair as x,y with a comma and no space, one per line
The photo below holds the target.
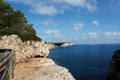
76,21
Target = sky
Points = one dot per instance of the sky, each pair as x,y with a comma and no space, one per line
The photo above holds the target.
76,21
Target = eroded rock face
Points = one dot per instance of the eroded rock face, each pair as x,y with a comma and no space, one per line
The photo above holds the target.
23,51
114,70
33,68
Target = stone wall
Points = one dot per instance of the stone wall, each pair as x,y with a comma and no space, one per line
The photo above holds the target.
23,51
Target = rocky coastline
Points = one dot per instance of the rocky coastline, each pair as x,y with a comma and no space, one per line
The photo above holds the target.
62,44
31,62
66,44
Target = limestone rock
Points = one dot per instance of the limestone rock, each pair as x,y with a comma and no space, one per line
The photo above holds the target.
24,51
41,69
66,44
33,68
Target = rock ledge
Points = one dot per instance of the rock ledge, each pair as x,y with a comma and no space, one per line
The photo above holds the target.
27,66
41,69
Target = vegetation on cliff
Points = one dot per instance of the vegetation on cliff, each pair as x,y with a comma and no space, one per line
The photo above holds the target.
14,22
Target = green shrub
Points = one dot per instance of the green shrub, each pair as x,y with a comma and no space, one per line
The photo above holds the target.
14,22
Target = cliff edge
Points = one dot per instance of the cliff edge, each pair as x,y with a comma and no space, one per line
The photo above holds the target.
41,69
27,66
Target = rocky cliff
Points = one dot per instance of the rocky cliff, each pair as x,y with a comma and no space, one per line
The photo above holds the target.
66,44
33,68
62,44
114,68
23,51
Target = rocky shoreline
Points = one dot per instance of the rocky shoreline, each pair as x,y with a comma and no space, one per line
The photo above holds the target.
66,44
28,67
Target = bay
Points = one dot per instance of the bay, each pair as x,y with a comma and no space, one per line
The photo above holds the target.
85,62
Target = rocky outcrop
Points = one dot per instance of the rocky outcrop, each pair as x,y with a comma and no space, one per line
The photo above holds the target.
62,44
32,68
23,51
114,68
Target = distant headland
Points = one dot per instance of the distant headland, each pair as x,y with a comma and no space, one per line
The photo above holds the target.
61,44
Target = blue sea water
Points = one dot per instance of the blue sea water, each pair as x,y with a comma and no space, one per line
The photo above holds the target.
85,62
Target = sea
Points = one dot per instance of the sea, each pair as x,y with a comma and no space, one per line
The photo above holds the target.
85,62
